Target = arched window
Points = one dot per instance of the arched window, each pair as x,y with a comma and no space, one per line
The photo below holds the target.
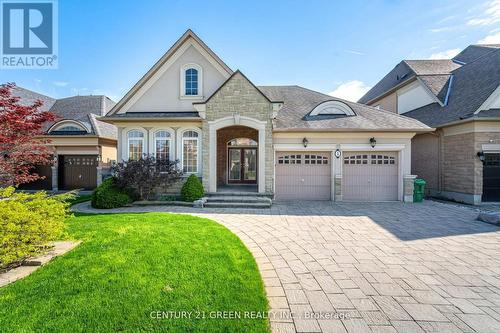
135,140
191,83
190,144
242,142
70,129
162,145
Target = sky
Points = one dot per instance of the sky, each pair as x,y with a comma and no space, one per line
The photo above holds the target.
340,48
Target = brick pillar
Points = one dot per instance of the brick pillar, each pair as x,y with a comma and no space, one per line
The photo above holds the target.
408,186
338,187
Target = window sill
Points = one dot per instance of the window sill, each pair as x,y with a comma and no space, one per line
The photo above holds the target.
191,97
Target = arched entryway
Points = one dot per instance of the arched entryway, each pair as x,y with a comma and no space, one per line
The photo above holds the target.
251,146
237,155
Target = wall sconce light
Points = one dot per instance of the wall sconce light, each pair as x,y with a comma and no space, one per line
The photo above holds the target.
99,158
54,158
373,142
480,154
305,142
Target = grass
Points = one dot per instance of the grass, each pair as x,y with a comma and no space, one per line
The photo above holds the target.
130,265
80,198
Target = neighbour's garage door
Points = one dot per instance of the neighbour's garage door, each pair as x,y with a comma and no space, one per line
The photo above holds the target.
491,177
370,176
303,176
77,172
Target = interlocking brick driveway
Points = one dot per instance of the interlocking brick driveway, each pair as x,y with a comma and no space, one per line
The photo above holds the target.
381,267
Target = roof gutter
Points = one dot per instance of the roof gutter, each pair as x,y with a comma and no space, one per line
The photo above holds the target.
463,121
395,130
110,120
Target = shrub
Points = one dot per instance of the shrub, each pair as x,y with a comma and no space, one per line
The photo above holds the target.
28,222
109,195
146,174
192,189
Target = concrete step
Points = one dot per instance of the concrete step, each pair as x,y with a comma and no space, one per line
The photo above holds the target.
238,194
242,199
254,205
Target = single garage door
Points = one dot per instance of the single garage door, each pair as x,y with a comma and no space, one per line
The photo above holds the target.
370,176
303,176
491,177
77,172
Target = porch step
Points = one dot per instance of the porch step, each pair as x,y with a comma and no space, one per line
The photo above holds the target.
238,194
255,205
233,201
242,199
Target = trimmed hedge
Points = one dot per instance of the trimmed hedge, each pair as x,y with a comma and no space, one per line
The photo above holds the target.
109,195
192,189
28,222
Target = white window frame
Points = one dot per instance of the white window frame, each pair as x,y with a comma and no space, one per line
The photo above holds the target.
144,150
182,81
180,148
152,141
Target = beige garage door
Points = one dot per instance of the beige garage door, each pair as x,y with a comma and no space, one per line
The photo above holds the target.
370,176
303,176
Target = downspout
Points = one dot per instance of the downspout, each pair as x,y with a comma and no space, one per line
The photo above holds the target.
448,92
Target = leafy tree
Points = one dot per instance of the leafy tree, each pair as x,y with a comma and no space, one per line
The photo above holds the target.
20,149
146,174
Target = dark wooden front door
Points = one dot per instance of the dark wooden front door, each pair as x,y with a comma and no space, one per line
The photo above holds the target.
242,166
77,172
491,177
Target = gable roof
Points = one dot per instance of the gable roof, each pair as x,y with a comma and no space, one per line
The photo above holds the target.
84,109
472,84
298,102
434,74
189,34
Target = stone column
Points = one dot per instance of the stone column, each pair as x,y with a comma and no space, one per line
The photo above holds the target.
55,178
338,187
408,186
261,169
99,175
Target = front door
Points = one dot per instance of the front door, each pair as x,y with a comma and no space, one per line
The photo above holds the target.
242,165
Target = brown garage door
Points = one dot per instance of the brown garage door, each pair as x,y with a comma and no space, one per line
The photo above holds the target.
78,171
370,176
303,176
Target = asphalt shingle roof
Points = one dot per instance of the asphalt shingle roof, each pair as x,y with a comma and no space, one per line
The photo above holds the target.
472,84
85,109
299,102
473,52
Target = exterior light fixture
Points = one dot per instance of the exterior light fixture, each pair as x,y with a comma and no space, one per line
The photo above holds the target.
373,142
305,142
99,158
480,154
54,158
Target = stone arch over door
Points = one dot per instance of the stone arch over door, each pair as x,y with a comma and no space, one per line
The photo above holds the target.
210,176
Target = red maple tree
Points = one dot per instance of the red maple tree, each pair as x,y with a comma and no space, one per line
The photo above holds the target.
20,149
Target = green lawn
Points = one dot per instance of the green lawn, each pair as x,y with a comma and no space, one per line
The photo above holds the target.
131,265
80,198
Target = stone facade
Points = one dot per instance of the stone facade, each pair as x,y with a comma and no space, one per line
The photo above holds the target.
408,187
223,136
239,97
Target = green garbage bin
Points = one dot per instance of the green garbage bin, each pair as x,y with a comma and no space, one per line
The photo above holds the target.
418,190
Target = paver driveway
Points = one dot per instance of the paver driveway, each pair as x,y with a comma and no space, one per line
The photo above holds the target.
371,267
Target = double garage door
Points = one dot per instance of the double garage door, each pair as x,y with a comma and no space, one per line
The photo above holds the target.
366,176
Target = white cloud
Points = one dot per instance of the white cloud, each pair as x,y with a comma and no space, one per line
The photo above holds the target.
448,54
351,90
490,16
493,38
355,52
442,29
60,83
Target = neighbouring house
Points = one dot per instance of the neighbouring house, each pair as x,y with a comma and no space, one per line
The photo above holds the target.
83,146
460,97
286,141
